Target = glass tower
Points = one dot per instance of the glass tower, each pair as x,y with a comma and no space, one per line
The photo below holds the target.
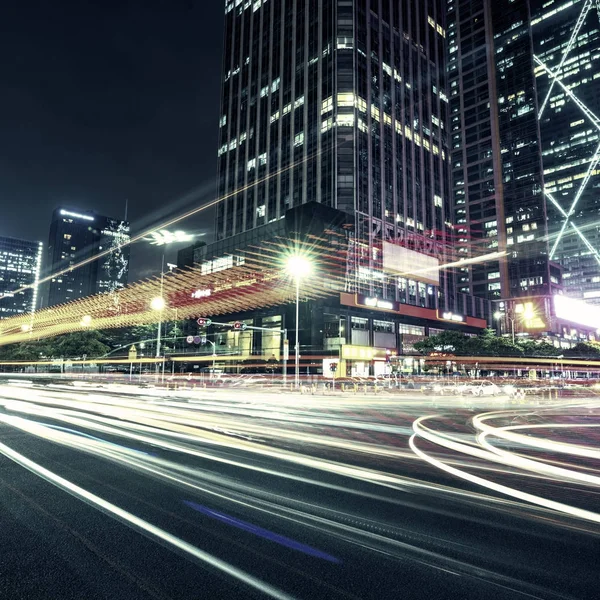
497,177
341,102
20,263
567,67
77,236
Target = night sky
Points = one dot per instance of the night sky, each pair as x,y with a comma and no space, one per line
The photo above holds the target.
104,102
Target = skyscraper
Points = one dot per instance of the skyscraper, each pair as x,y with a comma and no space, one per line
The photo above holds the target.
342,103
497,173
567,66
76,237
20,263
340,106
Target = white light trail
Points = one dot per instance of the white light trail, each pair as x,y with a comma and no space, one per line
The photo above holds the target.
143,526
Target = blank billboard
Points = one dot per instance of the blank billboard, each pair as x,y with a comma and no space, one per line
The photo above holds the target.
408,263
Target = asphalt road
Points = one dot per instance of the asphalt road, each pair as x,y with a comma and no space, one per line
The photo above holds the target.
126,493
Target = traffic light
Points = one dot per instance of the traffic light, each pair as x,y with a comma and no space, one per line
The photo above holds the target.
203,322
333,367
240,326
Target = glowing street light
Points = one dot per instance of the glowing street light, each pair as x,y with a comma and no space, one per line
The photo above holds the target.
86,321
162,237
501,315
298,266
157,303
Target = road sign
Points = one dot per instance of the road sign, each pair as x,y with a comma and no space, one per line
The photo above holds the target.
196,339
286,350
240,326
189,339
203,322
132,353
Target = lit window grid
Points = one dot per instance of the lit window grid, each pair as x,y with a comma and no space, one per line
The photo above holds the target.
575,58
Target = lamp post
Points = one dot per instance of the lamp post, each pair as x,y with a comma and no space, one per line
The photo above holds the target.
298,267
500,315
158,304
164,238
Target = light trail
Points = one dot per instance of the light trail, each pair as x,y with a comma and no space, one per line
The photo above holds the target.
268,465
481,449
143,526
173,221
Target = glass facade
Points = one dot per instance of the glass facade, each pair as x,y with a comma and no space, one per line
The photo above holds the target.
77,236
20,263
343,103
567,67
497,178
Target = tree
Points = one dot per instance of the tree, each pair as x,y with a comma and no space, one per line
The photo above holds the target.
537,348
584,350
460,344
451,342
77,345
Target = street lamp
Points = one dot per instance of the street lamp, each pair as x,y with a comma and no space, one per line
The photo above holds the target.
158,304
500,315
298,267
163,237
86,321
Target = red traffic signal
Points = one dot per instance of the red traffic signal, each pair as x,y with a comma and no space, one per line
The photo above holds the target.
203,322
239,326
333,367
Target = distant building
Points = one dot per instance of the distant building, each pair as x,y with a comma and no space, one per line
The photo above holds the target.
185,256
20,263
76,237
566,38
497,176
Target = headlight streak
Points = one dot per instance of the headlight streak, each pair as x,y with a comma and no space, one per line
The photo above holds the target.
143,526
542,443
155,428
500,456
176,426
377,542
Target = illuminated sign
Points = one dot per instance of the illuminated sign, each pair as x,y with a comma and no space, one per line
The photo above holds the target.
366,353
576,311
408,263
68,213
378,303
358,352
201,294
450,316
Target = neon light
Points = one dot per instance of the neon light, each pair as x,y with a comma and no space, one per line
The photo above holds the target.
68,213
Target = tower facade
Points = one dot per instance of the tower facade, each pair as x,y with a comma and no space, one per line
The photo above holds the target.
497,175
566,38
342,103
20,264
77,237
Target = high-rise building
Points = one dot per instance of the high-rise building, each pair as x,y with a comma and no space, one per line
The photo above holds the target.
341,106
350,114
566,38
497,177
342,103
20,263
75,238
